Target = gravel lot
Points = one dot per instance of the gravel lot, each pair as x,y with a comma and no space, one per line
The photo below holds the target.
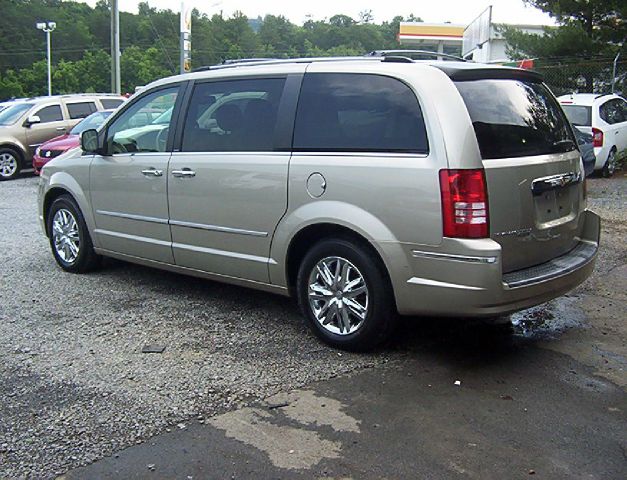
75,385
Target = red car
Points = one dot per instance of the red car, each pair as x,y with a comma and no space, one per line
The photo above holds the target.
58,145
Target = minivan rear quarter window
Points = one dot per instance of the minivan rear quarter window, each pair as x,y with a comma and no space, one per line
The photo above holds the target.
515,118
358,112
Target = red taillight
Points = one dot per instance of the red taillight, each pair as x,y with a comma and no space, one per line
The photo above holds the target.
464,203
597,137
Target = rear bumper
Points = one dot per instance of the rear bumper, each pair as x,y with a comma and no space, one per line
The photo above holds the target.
469,281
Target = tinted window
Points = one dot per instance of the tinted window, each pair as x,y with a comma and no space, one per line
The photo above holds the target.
135,131
51,113
612,111
236,115
12,113
578,114
514,118
81,110
111,103
356,112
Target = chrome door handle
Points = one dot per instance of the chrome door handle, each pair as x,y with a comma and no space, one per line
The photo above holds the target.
61,129
152,172
186,172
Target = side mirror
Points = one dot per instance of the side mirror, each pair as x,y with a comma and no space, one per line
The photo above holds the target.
90,142
32,120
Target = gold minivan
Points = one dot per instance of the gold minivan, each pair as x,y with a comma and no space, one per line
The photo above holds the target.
364,187
27,123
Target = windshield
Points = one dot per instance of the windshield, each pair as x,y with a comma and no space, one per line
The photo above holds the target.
578,114
13,113
515,118
93,121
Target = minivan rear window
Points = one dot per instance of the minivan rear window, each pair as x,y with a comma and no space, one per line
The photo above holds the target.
579,115
515,118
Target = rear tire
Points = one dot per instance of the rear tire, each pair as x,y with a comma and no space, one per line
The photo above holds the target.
10,163
71,244
610,165
345,295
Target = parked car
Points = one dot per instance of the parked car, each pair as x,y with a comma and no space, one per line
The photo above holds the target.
605,118
27,123
364,187
586,147
61,144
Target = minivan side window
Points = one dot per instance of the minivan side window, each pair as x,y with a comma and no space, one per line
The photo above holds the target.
144,126
51,113
358,112
233,115
80,109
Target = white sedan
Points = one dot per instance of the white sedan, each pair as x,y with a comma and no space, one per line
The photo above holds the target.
605,118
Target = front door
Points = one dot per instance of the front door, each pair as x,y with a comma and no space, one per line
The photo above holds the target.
129,183
228,184
52,124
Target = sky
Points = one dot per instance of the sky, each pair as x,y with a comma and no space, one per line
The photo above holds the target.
438,11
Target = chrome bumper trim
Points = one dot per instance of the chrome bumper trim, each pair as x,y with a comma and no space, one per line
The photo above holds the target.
450,256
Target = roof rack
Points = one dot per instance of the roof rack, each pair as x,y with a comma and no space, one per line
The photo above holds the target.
279,61
411,53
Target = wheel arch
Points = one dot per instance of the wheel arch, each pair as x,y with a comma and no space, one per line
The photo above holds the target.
61,183
312,222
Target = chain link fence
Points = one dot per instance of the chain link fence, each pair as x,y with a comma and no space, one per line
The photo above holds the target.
579,75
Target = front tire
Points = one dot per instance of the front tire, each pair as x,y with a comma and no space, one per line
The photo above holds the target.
69,238
10,164
345,295
610,165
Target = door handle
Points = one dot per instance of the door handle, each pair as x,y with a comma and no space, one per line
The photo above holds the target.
61,129
185,172
152,172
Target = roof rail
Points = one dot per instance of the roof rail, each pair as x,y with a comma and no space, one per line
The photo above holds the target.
279,61
411,53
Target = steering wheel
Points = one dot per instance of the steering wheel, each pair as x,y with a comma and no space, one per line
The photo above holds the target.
162,138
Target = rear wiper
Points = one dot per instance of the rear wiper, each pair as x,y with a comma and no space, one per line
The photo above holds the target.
564,145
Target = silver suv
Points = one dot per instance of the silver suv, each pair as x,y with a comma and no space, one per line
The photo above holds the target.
28,122
364,187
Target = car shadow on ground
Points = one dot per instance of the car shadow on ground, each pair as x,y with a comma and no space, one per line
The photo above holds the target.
464,340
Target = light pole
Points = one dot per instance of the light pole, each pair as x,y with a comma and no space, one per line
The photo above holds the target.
48,27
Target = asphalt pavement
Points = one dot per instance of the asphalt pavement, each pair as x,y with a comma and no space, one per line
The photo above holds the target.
241,390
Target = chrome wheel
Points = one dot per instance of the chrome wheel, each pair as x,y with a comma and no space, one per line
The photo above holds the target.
611,163
65,235
338,295
8,164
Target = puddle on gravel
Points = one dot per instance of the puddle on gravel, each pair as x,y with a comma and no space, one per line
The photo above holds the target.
549,320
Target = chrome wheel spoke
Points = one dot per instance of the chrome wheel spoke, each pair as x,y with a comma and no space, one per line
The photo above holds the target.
356,308
325,274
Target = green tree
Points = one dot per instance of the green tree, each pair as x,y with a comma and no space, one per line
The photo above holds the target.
577,55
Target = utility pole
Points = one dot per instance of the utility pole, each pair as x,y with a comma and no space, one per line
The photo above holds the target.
115,48
48,27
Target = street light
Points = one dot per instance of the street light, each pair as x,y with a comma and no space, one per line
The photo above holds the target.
48,27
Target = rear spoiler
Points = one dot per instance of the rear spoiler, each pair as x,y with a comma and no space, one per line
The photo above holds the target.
490,73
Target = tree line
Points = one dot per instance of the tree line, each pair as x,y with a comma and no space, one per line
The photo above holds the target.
576,55
149,43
